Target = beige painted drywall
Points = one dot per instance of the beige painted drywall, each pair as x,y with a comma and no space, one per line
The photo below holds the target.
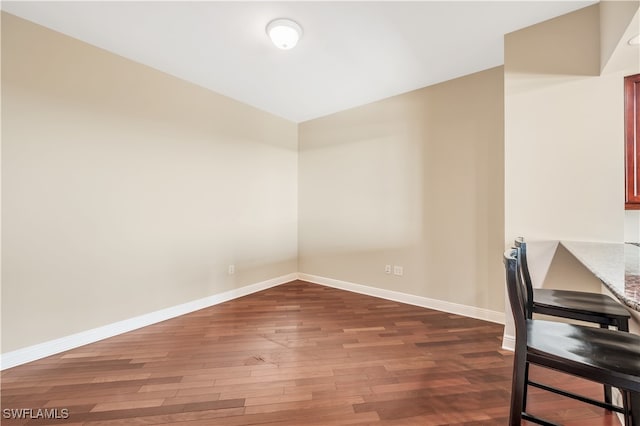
126,190
414,180
564,140
567,45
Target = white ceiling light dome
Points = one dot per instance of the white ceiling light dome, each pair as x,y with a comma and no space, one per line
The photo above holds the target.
284,33
634,41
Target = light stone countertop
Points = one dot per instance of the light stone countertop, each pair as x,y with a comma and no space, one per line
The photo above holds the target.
617,265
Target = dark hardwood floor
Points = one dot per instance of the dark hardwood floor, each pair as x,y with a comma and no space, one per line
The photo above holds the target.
296,354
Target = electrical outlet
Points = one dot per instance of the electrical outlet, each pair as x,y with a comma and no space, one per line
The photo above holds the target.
398,270
232,269
387,269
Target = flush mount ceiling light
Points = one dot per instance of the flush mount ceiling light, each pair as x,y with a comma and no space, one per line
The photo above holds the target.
634,40
284,33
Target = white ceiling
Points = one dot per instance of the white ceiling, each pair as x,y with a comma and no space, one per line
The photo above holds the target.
351,53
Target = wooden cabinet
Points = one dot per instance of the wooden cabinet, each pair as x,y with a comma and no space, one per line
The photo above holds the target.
632,141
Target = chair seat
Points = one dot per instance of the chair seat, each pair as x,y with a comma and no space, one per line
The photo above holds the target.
578,301
602,355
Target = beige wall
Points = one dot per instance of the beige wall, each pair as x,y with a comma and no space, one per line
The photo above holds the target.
414,180
564,140
563,135
125,190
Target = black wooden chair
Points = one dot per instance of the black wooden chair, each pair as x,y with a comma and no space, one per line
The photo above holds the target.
604,356
577,305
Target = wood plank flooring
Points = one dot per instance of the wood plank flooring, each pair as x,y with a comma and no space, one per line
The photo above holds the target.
296,354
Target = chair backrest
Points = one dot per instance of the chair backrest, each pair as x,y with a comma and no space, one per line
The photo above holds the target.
516,293
524,274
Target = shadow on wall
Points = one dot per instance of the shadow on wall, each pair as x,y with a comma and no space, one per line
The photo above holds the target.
550,47
568,273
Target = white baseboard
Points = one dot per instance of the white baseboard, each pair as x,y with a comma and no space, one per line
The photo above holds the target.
52,347
425,302
509,342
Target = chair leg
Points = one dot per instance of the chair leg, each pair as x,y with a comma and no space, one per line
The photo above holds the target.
607,394
630,400
518,385
626,405
607,388
526,387
634,407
